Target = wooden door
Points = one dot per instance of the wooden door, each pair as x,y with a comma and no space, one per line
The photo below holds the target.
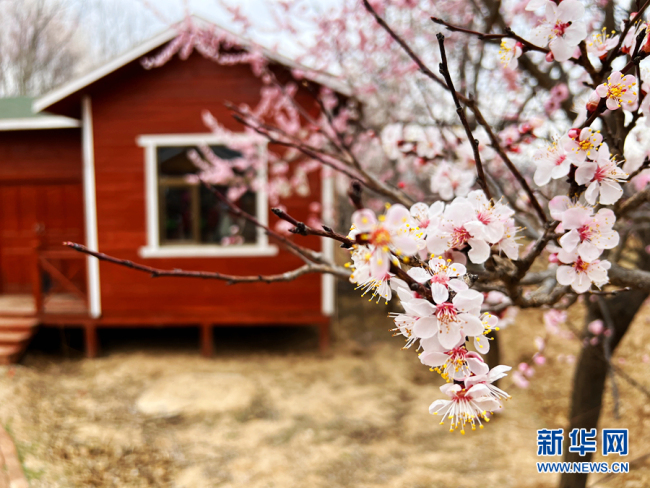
53,211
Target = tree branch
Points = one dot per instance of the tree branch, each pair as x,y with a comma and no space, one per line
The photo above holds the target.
304,230
528,46
230,279
444,71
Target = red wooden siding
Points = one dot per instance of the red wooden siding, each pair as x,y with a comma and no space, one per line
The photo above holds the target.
40,186
167,100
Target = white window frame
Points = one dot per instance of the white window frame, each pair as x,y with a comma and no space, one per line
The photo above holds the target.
153,249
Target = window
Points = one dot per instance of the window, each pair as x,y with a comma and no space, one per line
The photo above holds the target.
185,219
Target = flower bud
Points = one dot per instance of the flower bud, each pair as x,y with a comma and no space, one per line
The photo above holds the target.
549,57
574,133
593,102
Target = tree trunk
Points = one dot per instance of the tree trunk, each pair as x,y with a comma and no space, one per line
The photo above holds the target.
592,368
590,374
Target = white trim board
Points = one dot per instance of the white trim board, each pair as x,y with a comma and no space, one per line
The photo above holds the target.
34,123
207,138
207,251
68,89
154,249
90,207
328,281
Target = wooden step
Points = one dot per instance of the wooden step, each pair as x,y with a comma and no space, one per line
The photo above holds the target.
14,337
10,353
15,334
18,324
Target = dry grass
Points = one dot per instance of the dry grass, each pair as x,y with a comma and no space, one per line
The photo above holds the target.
356,418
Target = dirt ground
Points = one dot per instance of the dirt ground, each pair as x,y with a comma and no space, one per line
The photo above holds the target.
269,411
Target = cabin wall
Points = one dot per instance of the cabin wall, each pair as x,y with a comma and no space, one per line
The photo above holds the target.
40,188
167,100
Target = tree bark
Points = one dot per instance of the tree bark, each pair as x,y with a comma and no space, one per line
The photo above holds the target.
592,368
590,375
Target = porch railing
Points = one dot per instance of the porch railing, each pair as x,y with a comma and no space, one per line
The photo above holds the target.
51,276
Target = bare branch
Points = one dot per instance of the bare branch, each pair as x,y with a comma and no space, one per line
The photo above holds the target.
527,45
444,71
304,230
288,244
207,275
632,203
423,67
473,106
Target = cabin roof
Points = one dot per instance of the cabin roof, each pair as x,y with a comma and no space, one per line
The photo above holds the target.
17,107
73,86
16,114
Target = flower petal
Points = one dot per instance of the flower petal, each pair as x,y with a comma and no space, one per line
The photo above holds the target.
364,220
433,359
480,251
565,275
425,327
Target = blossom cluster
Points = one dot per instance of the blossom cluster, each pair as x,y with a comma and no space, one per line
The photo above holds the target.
586,232
441,311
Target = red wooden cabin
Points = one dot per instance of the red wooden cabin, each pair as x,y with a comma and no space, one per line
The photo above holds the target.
100,161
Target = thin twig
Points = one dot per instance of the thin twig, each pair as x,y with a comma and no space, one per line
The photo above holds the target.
527,45
472,106
423,67
303,252
208,275
444,71
304,230
614,53
494,140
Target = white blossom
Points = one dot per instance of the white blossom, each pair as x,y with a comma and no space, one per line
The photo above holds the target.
562,30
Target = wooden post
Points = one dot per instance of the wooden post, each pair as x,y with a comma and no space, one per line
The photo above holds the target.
37,279
324,337
90,336
207,341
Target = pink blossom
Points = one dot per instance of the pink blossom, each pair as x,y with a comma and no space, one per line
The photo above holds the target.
562,30
588,234
383,235
557,95
552,162
583,144
442,276
519,380
465,406
580,274
603,178
510,52
619,91
596,327
601,43
553,318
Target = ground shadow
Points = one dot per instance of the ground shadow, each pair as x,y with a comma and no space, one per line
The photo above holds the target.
228,340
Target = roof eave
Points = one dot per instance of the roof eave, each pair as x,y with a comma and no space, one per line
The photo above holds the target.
74,86
36,123
137,52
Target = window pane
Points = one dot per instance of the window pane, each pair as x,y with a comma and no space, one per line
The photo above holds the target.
177,216
190,213
173,161
218,226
